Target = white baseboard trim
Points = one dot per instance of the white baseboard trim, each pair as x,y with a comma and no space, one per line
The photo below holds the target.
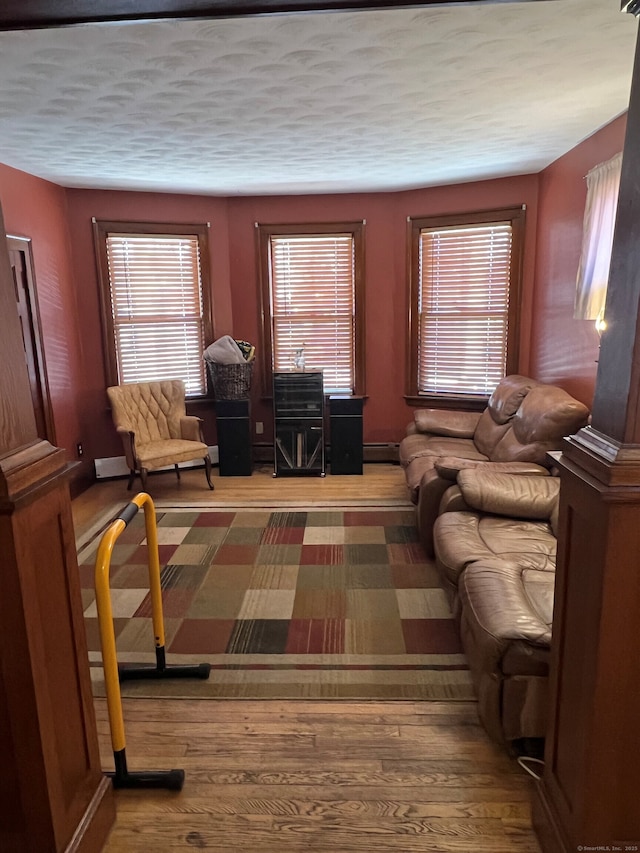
116,466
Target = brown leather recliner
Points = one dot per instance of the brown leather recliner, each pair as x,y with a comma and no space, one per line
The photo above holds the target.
523,421
497,563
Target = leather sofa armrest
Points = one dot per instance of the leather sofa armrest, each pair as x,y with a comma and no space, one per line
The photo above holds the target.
191,428
452,501
446,422
449,467
519,496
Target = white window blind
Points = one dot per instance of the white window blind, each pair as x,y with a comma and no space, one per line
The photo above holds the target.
156,301
464,283
313,305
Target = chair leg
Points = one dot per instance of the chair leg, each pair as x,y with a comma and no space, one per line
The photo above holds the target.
143,478
177,471
207,470
132,476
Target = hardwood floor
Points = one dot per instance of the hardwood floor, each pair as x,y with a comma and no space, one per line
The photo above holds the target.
381,482
319,776
325,777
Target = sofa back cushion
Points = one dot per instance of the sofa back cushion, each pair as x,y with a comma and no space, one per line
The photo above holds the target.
503,404
508,395
546,415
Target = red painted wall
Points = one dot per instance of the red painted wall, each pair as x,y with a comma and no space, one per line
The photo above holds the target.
38,209
565,350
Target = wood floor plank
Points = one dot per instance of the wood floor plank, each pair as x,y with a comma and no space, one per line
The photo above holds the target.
514,815
324,835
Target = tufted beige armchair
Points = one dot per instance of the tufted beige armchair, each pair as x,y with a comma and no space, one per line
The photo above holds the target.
151,420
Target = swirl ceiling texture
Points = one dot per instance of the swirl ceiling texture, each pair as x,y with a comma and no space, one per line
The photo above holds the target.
319,102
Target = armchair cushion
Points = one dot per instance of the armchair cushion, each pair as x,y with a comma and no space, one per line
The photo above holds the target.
170,451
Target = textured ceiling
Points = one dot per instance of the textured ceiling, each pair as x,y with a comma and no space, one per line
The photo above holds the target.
321,102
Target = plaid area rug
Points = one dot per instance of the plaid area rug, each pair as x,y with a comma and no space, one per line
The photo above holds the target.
333,603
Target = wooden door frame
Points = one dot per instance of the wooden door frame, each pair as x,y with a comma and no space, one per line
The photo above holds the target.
23,244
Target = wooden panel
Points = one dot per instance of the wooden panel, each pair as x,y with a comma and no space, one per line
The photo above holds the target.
17,420
51,737
589,790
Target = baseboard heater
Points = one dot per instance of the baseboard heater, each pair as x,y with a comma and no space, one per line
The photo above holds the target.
116,466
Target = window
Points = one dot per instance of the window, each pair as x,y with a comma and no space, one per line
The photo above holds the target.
155,302
312,300
465,284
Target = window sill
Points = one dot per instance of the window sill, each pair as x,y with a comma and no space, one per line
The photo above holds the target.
441,401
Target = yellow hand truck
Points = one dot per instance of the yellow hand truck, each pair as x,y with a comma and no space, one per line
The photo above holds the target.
114,674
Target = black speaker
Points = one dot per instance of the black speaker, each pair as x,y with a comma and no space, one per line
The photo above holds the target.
345,424
234,437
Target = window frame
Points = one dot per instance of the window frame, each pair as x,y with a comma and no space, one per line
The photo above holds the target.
101,229
415,225
264,235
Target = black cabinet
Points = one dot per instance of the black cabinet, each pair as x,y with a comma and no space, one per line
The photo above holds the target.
234,437
298,410
345,434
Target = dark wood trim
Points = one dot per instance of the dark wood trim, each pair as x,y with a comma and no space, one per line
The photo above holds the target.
101,228
430,401
23,244
515,215
41,14
263,248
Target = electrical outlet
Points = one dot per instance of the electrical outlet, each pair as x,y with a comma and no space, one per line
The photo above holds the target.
259,427
79,449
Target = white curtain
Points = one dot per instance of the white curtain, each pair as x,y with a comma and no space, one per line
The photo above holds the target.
603,183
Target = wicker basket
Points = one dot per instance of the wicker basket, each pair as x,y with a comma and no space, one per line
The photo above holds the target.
230,381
